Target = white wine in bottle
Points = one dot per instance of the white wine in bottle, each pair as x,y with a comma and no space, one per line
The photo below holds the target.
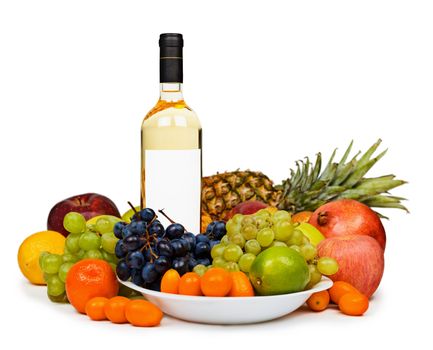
171,145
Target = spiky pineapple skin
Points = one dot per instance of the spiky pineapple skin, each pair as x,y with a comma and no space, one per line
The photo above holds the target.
223,191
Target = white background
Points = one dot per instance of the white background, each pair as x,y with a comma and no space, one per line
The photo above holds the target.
271,84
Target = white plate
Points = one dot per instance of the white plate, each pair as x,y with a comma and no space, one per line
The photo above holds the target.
229,310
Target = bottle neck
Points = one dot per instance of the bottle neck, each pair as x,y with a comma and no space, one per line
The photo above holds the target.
171,92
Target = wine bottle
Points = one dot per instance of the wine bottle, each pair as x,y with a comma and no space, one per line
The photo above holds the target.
171,142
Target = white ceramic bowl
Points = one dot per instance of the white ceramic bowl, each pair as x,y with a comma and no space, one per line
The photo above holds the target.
229,310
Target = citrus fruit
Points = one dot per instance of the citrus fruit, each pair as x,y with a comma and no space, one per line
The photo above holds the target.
90,278
216,282
142,313
189,284
353,304
241,285
170,282
319,301
279,270
302,216
115,309
95,308
339,288
30,250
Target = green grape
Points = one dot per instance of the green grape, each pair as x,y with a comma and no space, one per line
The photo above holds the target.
278,244
327,266
237,218
51,263
283,230
74,222
89,241
200,269
108,242
64,269
296,238
80,254
109,257
231,266
225,240
217,250
62,298
233,227
263,213
41,257
93,254
218,261
305,240
245,262
232,252
308,251
47,276
249,231
296,247
69,258
238,239
105,224
253,247
248,220
263,222
315,276
281,215
265,237
55,286
72,242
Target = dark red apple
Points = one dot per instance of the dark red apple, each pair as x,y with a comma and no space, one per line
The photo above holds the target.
360,259
246,208
88,204
348,217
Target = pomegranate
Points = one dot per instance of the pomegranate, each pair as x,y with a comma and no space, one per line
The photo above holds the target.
348,217
360,261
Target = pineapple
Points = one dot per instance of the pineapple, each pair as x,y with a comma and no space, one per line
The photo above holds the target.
307,188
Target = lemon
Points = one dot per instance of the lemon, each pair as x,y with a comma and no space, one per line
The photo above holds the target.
279,270
32,247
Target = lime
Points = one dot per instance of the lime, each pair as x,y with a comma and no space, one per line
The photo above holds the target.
279,270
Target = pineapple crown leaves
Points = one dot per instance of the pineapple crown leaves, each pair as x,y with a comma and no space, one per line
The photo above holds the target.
307,188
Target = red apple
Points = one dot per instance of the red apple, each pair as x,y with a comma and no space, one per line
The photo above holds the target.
360,259
246,208
348,217
88,204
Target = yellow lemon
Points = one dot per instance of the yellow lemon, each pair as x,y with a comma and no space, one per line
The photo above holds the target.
32,247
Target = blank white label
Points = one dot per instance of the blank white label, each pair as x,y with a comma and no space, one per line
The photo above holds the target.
173,183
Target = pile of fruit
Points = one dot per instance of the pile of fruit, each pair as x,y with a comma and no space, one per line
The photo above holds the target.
258,239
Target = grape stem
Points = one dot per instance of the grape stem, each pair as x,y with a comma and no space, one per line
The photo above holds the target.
166,216
132,207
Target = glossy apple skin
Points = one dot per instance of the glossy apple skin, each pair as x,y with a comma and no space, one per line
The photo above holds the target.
246,208
88,204
360,259
348,217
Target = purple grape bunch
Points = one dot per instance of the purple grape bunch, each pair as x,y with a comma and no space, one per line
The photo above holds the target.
146,250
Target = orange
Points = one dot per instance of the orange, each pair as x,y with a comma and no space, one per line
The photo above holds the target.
241,285
189,284
142,313
170,282
216,282
302,216
95,308
353,304
318,301
90,278
339,288
115,309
